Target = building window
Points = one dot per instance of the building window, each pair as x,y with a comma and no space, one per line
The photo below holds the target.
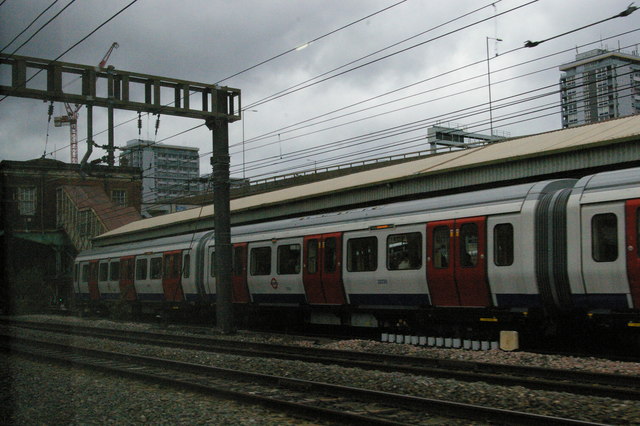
26,197
119,197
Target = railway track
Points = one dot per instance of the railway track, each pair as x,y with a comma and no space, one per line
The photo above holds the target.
577,382
315,400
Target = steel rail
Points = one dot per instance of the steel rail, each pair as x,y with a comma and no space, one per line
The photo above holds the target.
616,386
195,377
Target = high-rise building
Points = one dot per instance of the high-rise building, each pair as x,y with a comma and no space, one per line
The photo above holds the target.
600,85
168,172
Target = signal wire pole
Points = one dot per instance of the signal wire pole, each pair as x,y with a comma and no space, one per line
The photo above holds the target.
219,127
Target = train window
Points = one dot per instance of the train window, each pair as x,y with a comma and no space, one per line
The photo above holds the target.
604,237
172,266
503,244
186,267
468,245
114,271
362,254
128,269
156,268
289,259
141,269
638,232
93,272
261,261
212,264
237,261
84,278
440,248
103,274
330,254
404,251
312,256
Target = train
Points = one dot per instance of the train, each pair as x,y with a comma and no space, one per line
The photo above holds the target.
542,256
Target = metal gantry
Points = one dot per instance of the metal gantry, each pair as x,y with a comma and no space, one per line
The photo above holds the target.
126,90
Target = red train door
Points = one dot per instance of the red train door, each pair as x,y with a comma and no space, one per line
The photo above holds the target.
322,268
456,264
172,272
632,230
127,288
239,276
440,277
470,262
94,291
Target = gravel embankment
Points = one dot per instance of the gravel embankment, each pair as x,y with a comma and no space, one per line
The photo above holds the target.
80,397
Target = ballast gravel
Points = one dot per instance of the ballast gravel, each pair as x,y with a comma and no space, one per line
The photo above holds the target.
40,393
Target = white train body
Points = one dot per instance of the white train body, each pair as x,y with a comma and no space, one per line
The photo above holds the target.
555,246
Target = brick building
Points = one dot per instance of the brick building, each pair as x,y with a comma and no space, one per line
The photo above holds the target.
49,211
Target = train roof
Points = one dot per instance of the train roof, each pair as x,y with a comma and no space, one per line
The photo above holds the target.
609,186
486,202
497,163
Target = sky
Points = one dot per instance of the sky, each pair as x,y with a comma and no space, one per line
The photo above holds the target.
375,76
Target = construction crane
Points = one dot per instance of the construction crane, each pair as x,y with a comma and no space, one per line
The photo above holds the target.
71,118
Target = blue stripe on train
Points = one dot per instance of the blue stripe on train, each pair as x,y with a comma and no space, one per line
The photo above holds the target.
518,300
296,299
390,299
604,301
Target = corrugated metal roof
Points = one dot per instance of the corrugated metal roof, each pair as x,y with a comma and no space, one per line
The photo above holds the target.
502,158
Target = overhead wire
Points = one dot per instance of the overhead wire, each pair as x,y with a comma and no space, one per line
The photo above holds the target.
293,49
524,115
420,124
449,85
273,58
297,89
478,9
200,126
383,49
282,130
29,26
80,41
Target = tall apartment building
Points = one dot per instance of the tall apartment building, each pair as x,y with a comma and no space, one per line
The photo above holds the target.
599,85
168,172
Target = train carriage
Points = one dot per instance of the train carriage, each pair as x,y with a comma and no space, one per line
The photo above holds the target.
536,250
603,263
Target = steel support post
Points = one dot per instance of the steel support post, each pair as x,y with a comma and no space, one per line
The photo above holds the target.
222,219
111,146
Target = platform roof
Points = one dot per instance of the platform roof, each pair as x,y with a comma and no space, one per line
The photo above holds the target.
569,152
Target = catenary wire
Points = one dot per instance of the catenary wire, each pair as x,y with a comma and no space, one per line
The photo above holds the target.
29,26
80,41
